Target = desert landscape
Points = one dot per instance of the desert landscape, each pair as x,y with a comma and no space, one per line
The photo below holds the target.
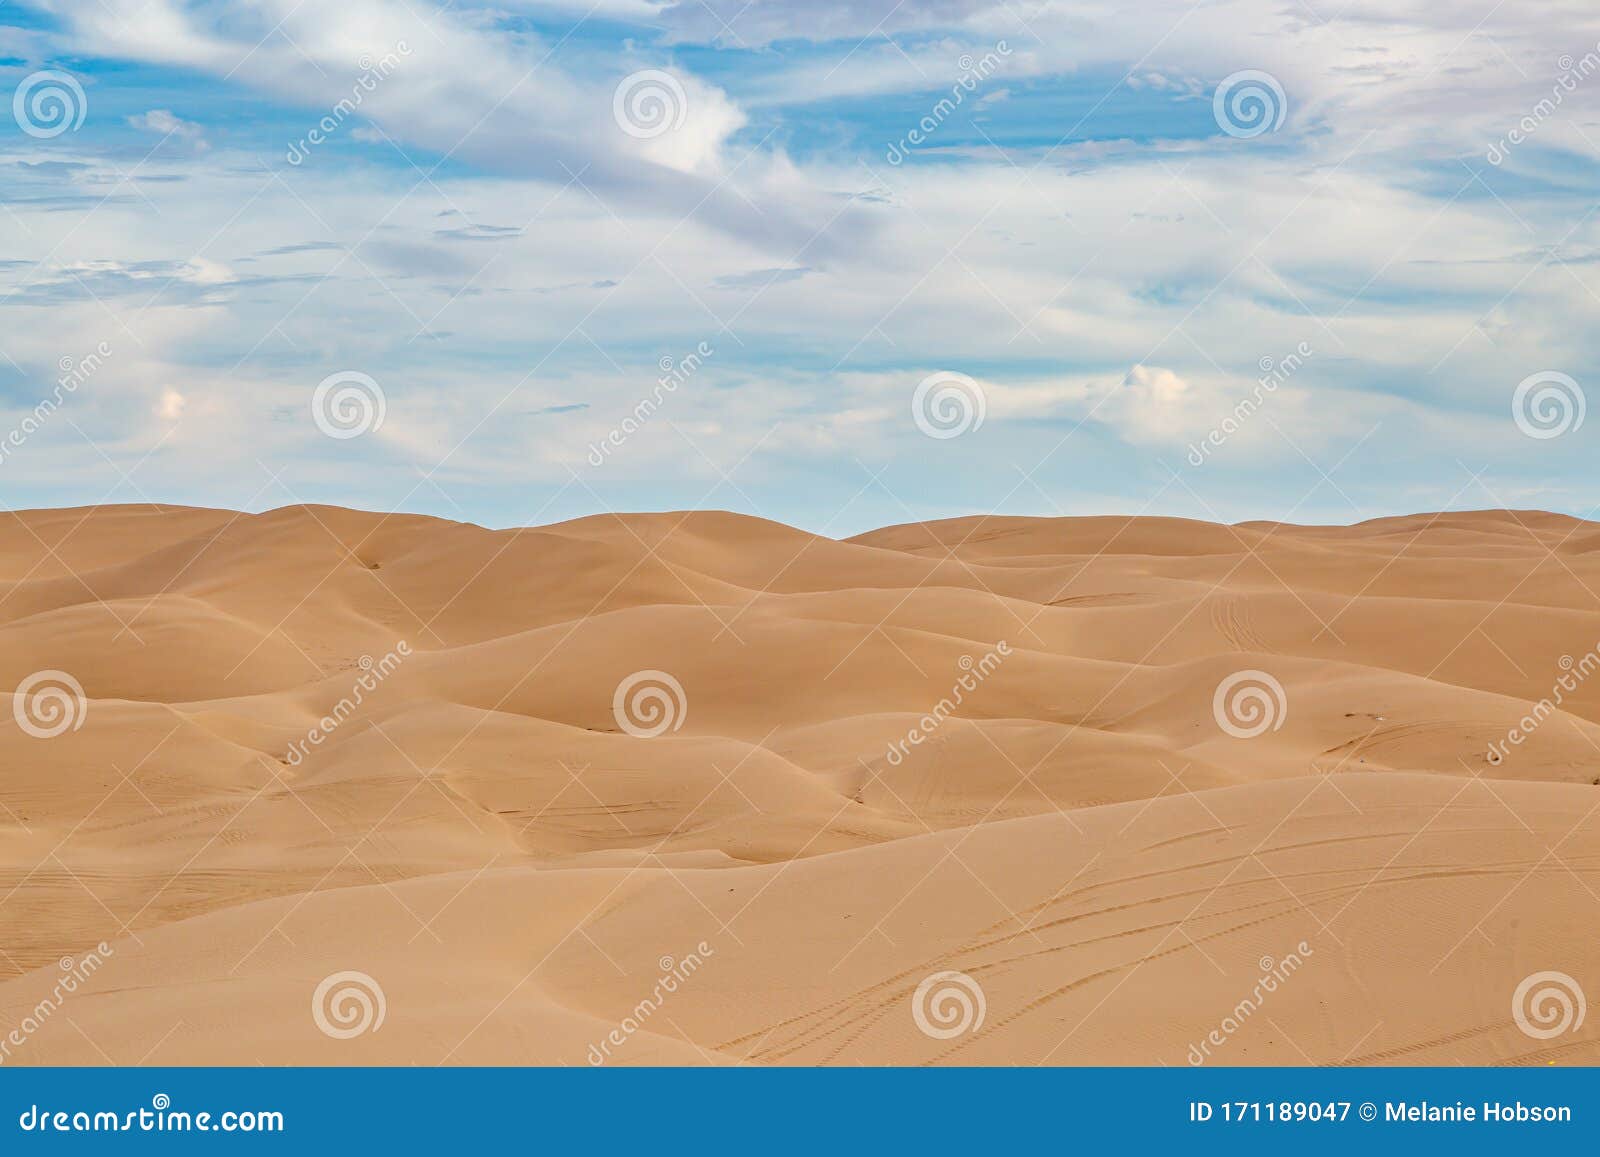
320,786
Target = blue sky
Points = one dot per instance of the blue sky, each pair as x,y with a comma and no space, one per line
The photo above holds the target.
1154,308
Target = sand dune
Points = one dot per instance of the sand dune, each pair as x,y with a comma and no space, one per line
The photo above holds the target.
345,788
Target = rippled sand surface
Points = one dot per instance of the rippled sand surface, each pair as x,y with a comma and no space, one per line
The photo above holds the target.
322,786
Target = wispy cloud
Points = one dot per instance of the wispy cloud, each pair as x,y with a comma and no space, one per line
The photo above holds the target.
531,210
162,122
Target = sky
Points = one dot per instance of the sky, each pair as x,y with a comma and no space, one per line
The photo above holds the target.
842,264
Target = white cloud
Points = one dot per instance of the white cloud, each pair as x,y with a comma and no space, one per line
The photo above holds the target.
171,405
508,102
1120,293
162,121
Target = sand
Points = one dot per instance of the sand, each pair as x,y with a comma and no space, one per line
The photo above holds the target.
1080,857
